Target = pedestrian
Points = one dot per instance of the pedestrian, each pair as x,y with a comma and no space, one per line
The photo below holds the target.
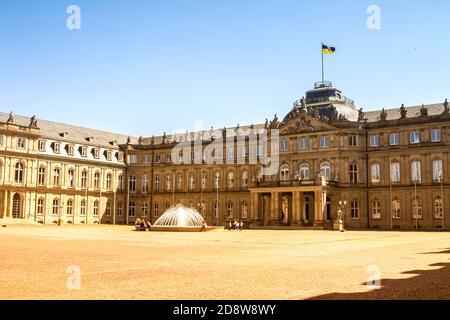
241,225
204,226
229,226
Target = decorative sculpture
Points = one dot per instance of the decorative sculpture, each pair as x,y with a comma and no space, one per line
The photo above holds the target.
10,118
383,115
403,112
423,111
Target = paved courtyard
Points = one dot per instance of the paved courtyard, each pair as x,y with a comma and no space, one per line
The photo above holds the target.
118,263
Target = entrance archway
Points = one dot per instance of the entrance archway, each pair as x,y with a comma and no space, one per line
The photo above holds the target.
16,207
328,208
308,208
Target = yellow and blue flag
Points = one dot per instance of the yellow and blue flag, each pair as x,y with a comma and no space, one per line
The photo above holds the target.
328,50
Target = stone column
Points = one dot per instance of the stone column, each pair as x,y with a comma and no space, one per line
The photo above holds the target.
275,207
319,204
296,208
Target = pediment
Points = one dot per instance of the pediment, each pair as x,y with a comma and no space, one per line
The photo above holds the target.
303,123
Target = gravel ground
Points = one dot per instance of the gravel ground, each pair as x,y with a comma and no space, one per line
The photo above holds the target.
118,263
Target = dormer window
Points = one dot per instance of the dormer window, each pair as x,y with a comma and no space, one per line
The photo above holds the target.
113,143
109,155
57,147
84,152
90,139
64,134
97,153
120,156
70,149
41,145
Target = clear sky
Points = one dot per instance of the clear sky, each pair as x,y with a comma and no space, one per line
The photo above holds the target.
143,67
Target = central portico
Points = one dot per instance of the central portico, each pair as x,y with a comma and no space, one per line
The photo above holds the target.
293,203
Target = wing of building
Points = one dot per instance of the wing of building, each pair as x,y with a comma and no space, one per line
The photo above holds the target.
386,169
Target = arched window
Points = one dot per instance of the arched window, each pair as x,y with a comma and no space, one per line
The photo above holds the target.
69,208
55,207
179,182
168,183
217,180
325,170
437,171
376,173
438,208
376,209
304,172
18,176
96,205
109,181
41,176
144,212
83,208
230,180
119,208
120,182
284,172
167,205
97,180
216,210
132,183
244,179
56,177
417,208
396,209
230,209
156,210
145,183
71,178
395,172
84,175
416,175
204,180
108,208
132,209
157,183
355,209
244,210
40,206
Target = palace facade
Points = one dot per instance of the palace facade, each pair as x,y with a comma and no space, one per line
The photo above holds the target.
390,167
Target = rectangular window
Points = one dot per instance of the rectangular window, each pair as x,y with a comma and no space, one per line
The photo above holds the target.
57,148
355,210
230,153
168,158
146,159
244,151
324,142
260,150
353,174
158,158
1,140
374,141
284,145
353,141
304,144
84,152
156,210
97,153
42,144
21,143
436,135
133,158
414,137
109,155
70,149
394,139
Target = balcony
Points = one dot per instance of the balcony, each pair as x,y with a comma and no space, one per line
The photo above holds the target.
292,183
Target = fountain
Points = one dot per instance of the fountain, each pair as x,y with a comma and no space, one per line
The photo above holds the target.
181,219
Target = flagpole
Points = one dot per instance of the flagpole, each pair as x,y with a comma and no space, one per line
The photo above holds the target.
323,75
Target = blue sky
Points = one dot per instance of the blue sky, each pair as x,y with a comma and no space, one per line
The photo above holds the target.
144,67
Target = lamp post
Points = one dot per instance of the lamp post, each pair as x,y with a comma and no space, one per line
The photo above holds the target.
340,215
